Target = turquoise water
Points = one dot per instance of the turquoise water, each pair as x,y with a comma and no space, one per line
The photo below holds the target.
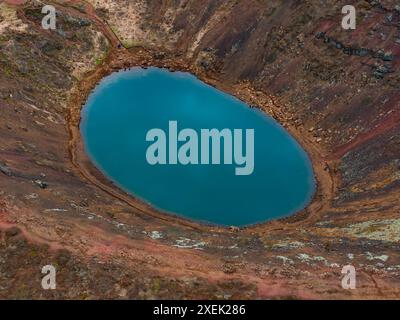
126,105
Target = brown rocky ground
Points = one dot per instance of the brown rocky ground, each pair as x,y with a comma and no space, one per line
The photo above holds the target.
336,91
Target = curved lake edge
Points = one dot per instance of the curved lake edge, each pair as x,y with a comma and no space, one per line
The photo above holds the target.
283,182
324,179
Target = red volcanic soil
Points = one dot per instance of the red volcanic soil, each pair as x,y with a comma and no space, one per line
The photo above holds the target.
385,125
15,2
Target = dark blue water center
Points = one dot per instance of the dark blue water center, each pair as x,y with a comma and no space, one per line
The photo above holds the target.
126,105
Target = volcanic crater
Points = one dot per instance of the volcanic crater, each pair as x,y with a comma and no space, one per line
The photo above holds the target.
336,91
